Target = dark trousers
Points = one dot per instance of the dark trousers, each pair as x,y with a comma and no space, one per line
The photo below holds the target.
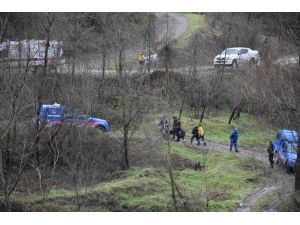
197,138
202,137
233,143
176,132
271,160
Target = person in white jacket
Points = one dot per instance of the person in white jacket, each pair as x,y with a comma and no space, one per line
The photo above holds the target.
154,60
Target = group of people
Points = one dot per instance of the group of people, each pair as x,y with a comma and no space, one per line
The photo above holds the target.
197,132
144,61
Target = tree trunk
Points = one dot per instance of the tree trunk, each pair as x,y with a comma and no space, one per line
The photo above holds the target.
170,171
103,62
120,66
46,53
181,108
37,129
2,178
74,46
48,31
125,146
237,110
202,114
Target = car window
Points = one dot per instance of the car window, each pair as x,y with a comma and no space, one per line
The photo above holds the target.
68,115
292,149
244,51
278,136
230,51
83,117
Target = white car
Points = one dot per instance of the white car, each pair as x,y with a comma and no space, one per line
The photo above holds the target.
237,56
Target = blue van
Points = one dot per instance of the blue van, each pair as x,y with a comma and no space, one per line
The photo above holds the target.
285,149
56,114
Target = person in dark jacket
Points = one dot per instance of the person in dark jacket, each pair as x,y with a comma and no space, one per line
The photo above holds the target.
271,154
195,134
176,127
234,135
164,123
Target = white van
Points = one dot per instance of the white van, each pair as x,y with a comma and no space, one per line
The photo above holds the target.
14,53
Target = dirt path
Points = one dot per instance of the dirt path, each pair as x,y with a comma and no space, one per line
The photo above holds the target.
178,25
278,181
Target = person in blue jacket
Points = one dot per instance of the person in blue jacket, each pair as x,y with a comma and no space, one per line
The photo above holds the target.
234,135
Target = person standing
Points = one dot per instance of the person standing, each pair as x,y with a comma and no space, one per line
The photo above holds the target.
176,127
271,154
234,135
201,134
141,61
154,60
195,134
165,127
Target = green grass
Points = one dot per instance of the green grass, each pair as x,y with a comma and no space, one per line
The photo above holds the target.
228,181
195,22
265,201
290,203
147,189
251,133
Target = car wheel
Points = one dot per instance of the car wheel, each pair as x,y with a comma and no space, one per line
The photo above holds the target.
234,64
277,161
101,129
252,62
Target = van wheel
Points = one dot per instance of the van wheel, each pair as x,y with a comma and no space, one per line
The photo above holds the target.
252,62
287,168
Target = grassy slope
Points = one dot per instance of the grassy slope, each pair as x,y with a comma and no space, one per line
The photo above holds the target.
252,134
147,189
228,181
194,23
290,203
266,200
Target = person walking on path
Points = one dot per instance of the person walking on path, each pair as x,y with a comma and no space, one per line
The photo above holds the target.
271,154
201,134
234,135
195,133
